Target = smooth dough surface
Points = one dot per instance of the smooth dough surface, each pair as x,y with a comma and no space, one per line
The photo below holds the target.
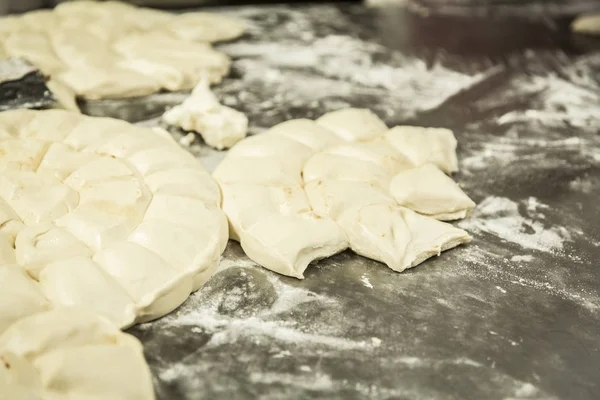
428,191
111,49
587,24
68,353
102,215
305,190
220,126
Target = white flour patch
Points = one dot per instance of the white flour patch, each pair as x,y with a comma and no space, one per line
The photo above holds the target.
525,258
334,68
581,184
365,280
205,316
500,217
569,97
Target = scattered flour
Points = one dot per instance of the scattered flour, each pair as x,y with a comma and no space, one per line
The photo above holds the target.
525,258
365,280
501,289
329,72
500,216
568,97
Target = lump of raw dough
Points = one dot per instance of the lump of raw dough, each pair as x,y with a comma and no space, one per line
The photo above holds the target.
68,353
108,49
304,190
428,191
220,126
104,216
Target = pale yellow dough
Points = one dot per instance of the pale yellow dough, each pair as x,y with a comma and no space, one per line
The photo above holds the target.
102,215
306,190
71,354
112,50
588,24
220,126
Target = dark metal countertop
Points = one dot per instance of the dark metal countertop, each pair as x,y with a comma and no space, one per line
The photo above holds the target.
514,315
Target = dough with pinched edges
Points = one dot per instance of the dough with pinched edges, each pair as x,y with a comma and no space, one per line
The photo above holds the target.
428,191
110,49
305,190
71,354
102,215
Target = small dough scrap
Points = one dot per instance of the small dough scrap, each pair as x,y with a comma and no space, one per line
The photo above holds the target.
69,353
425,145
353,124
428,191
220,126
288,244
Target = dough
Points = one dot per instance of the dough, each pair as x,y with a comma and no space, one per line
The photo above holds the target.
587,24
429,191
111,49
306,190
101,215
425,145
220,126
69,353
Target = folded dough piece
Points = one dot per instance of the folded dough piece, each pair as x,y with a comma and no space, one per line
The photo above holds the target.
352,124
20,296
204,27
68,353
246,203
306,132
287,244
396,236
425,145
80,282
428,191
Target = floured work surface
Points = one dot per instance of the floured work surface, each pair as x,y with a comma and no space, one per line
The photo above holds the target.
515,314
